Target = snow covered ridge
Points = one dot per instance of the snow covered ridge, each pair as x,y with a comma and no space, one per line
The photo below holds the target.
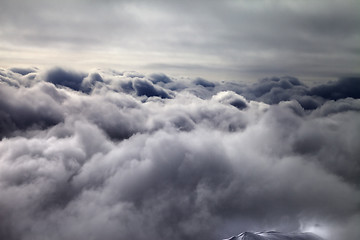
274,235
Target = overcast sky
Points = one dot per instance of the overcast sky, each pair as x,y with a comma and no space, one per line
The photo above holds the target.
230,40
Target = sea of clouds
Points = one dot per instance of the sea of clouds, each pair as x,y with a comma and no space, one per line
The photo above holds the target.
123,155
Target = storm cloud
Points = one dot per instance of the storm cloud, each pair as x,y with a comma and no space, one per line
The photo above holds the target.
117,155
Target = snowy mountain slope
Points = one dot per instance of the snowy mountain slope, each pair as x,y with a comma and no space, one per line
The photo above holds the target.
273,235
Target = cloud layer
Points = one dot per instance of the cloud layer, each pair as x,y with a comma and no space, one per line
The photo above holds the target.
218,39
116,155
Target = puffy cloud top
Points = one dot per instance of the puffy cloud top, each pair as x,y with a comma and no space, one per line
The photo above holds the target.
116,155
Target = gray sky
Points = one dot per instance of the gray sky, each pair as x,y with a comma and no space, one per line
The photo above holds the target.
230,40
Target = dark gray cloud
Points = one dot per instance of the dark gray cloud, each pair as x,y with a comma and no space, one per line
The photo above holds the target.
346,87
127,155
65,78
204,83
159,78
23,71
146,88
22,109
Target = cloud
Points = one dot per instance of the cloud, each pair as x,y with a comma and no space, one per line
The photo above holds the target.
240,40
274,90
23,109
23,71
345,87
65,78
204,83
88,83
231,98
159,78
146,88
128,155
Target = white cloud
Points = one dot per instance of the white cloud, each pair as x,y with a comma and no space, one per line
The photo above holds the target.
115,163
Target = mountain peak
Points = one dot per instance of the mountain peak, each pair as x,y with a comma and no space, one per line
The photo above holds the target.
274,235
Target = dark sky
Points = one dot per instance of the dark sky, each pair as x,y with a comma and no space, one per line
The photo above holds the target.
230,40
